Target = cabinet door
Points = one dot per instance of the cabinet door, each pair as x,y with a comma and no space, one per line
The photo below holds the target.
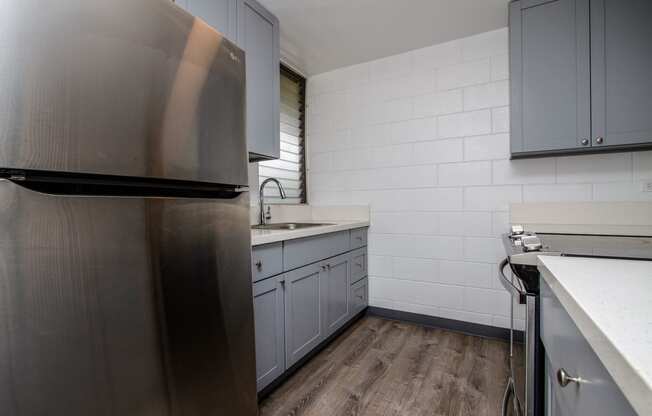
270,330
336,280
303,312
550,75
221,14
621,72
258,35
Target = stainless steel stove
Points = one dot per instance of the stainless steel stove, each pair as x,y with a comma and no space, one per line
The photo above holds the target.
524,393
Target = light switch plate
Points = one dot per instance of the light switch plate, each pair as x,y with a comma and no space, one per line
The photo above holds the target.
647,186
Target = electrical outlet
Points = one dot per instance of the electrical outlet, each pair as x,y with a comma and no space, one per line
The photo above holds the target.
647,186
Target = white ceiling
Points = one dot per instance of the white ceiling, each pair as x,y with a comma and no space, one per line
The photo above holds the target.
321,35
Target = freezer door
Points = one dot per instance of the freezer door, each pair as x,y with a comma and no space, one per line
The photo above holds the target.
123,87
125,306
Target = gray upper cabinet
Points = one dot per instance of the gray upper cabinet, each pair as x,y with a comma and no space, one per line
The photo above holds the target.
303,312
581,76
550,85
256,31
221,14
270,330
335,281
621,72
258,35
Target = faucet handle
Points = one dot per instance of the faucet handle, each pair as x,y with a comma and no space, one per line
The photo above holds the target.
268,214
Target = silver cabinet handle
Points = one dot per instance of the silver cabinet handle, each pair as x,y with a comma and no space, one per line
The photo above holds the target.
599,140
564,379
328,266
359,264
585,142
359,238
259,264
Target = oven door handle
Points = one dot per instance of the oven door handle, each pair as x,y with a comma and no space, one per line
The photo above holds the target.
509,284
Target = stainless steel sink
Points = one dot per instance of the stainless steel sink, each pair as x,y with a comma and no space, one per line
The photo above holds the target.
287,226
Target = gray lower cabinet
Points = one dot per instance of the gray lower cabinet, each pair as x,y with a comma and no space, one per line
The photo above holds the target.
269,317
316,295
335,300
581,76
303,312
567,350
266,261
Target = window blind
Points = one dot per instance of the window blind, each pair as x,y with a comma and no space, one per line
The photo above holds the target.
289,169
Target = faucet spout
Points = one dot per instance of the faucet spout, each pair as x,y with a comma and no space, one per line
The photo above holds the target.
261,197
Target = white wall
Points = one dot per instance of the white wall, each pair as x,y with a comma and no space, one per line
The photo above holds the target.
423,138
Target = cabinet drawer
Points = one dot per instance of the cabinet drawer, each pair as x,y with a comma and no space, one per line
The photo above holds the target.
266,261
358,238
358,264
299,252
567,348
359,296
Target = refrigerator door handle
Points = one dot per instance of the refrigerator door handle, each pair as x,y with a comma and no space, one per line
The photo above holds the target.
58,183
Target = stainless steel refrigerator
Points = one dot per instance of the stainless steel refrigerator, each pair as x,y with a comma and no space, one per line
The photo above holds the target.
125,282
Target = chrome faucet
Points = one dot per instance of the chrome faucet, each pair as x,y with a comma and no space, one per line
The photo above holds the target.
264,217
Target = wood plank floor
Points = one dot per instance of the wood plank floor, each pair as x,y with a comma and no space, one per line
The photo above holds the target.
383,367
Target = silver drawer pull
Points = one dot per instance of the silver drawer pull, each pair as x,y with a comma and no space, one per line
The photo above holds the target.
259,264
564,379
361,297
359,238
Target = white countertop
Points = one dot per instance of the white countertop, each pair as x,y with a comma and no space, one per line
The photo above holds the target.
610,301
259,237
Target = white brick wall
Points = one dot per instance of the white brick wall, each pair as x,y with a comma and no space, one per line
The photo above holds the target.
423,138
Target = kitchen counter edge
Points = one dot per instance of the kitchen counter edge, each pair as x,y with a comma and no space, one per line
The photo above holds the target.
260,237
595,319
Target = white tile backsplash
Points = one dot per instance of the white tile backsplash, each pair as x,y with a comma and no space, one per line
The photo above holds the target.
464,74
416,130
473,123
508,172
610,167
492,146
499,67
443,102
494,94
500,120
466,173
440,151
423,137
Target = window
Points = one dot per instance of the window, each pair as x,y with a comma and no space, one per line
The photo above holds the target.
290,168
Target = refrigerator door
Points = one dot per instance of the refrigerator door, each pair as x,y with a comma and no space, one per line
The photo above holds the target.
125,306
123,87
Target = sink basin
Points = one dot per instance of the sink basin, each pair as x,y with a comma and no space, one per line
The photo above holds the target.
287,226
